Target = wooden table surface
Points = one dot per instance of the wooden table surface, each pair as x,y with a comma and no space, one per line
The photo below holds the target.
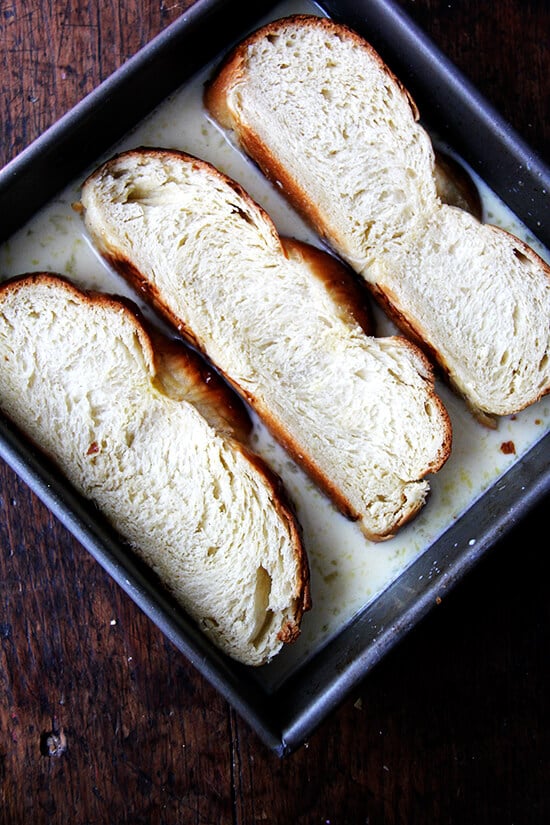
452,727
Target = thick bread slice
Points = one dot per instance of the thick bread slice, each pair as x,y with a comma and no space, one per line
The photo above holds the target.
280,321
314,105
141,427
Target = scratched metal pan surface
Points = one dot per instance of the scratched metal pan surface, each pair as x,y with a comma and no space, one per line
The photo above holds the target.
285,715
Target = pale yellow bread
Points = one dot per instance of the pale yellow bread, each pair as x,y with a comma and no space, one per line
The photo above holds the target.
153,437
329,123
284,323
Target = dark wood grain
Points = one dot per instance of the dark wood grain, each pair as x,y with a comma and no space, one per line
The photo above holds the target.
103,721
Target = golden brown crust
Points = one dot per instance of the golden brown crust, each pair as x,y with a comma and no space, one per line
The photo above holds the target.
455,186
350,293
233,68
385,298
183,374
89,296
414,332
350,296
135,279
143,152
287,512
180,372
326,267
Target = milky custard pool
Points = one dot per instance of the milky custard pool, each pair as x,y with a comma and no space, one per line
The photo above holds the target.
347,571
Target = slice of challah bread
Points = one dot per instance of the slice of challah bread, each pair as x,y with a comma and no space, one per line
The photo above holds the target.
325,119
280,320
145,430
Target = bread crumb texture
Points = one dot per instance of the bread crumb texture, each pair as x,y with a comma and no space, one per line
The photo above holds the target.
79,377
319,111
358,412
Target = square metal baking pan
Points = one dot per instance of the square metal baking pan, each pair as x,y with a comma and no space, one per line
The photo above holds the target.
286,715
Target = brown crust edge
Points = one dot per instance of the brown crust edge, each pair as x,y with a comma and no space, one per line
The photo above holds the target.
350,293
329,270
216,95
385,298
175,356
227,75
